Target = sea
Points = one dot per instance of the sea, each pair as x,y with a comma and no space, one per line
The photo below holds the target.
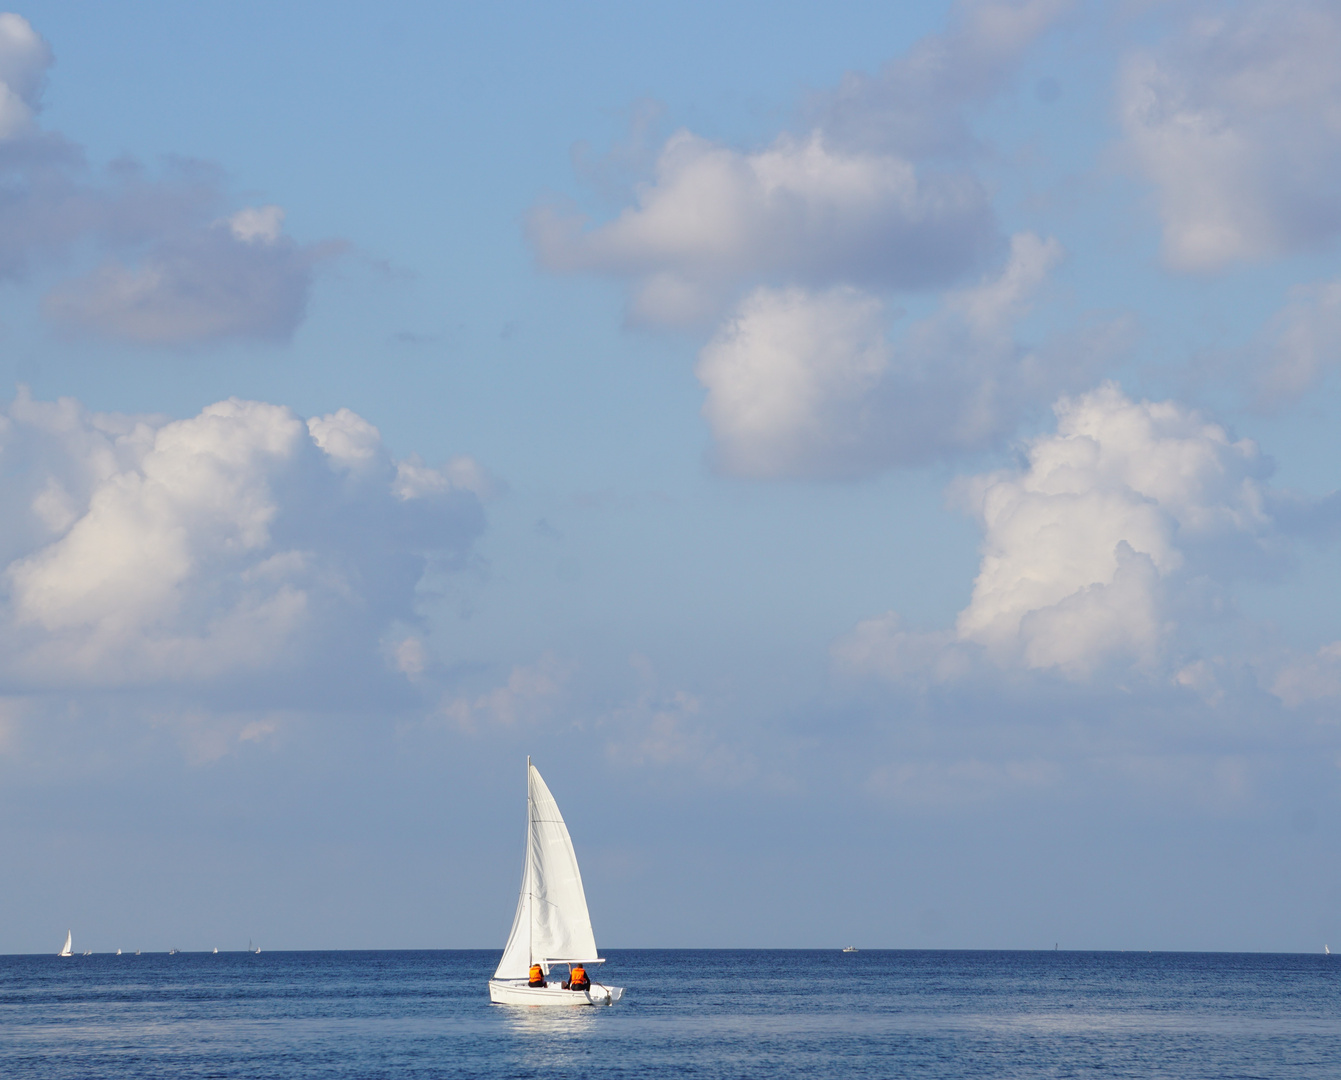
686,1014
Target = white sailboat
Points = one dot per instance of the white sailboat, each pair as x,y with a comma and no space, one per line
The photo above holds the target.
552,925
69,940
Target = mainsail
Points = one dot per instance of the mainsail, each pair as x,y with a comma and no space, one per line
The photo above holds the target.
552,923
69,940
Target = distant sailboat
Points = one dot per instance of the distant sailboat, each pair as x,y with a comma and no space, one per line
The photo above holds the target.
850,948
69,940
552,924
118,952
1326,951
216,950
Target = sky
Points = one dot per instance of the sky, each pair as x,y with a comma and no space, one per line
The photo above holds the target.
881,462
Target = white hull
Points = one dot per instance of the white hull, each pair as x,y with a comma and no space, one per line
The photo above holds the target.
508,992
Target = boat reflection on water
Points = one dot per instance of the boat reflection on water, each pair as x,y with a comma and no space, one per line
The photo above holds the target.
550,1023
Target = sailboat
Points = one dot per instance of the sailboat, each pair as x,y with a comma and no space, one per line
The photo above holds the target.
69,940
216,950
552,925
118,952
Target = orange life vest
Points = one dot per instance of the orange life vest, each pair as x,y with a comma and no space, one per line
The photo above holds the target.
578,980
537,975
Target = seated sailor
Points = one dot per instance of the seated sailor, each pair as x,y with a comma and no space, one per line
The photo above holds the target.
537,976
578,979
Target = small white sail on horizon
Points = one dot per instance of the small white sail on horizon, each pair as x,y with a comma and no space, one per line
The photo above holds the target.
66,949
552,924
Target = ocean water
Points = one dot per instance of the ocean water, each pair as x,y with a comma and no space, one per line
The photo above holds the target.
700,1014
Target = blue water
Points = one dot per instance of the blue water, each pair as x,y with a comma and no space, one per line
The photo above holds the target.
687,1014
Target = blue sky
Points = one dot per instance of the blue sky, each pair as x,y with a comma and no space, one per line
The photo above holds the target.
877,460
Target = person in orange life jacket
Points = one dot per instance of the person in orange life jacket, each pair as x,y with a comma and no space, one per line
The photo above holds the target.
537,976
578,980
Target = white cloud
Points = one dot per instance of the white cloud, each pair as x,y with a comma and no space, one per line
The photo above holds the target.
789,379
866,195
24,60
1237,123
793,248
715,217
1091,549
348,440
142,551
176,267
1078,547
805,383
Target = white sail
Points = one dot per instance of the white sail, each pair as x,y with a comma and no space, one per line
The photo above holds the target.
69,940
552,923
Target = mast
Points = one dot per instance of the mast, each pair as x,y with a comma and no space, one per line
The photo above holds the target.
530,896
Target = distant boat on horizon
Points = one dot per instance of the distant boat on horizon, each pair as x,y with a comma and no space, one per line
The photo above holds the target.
172,952
118,952
1326,951
851,948
69,940
216,950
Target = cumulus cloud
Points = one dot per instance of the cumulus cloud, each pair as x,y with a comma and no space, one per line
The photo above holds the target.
177,266
792,250
141,551
1116,523
714,217
1079,547
1237,122
872,193
806,383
